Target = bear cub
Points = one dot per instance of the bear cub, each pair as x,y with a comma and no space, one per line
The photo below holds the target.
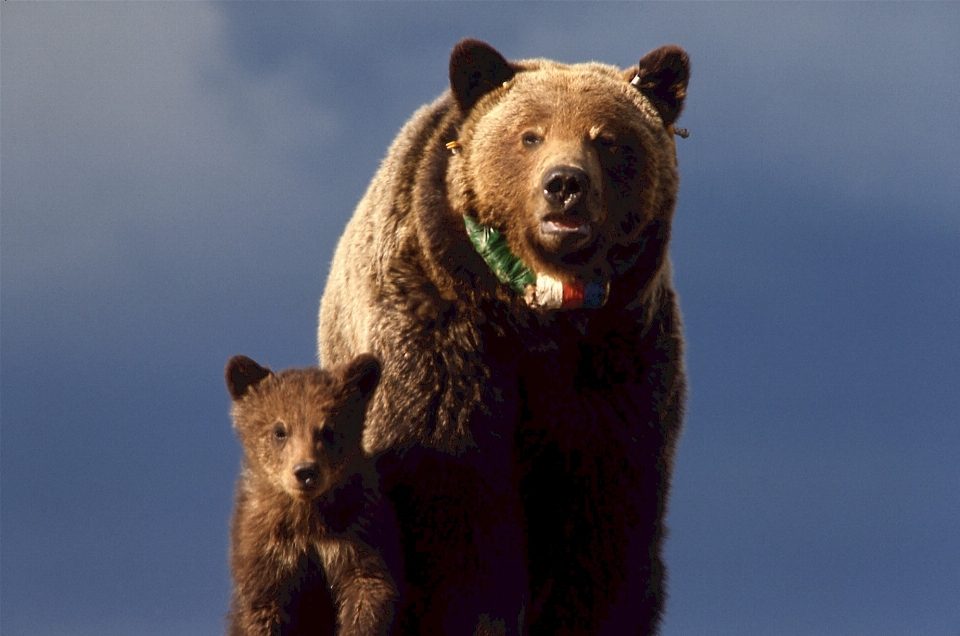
313,546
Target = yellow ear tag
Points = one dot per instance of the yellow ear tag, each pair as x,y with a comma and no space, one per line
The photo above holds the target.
674,132
454,147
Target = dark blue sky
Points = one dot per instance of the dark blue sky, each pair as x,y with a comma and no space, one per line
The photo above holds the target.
174,177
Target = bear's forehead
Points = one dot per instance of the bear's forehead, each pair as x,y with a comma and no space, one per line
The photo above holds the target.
289,400
554,72
583,95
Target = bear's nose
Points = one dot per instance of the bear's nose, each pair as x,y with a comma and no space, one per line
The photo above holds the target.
564,185
307,473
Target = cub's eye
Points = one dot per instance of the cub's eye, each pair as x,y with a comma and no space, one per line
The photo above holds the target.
329,436
279,432
531,139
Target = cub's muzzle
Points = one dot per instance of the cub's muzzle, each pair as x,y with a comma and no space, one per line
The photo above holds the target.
307,474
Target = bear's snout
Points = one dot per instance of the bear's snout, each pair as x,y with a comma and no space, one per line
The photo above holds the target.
564,186
307,474
567,221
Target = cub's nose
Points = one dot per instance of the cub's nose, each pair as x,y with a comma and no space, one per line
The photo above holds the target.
563,186
307,473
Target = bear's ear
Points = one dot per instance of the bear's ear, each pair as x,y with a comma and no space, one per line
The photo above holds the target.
662,76
362,375
241,374
476,68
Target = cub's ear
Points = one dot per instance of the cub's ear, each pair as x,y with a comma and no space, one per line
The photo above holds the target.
241,374
362,375
662,76
476,68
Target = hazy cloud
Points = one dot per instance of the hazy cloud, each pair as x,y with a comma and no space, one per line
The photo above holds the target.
127,129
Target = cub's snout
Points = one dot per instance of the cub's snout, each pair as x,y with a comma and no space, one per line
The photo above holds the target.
307,475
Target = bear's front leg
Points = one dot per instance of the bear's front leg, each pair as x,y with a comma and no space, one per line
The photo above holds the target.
260,601
365,594
279,588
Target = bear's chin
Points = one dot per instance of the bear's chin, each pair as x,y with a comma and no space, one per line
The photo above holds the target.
569,251
566,247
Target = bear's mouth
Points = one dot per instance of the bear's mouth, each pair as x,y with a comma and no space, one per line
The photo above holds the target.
307,493
562,225
565,234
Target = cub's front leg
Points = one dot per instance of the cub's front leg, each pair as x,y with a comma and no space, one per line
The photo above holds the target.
262,586
364,591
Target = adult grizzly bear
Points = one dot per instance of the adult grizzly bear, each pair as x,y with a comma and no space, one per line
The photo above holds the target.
508,264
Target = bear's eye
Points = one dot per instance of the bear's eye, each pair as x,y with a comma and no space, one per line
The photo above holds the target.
609,143
279,432
329,436
531,139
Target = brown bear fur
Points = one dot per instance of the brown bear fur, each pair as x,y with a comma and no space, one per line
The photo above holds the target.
536,446
311,536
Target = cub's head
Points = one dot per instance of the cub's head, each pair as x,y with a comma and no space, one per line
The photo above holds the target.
574,165
300,428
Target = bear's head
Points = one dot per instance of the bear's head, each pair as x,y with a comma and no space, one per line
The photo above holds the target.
300,428
575,166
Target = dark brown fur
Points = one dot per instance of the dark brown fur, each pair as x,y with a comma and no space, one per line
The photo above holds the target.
311,537
536,447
